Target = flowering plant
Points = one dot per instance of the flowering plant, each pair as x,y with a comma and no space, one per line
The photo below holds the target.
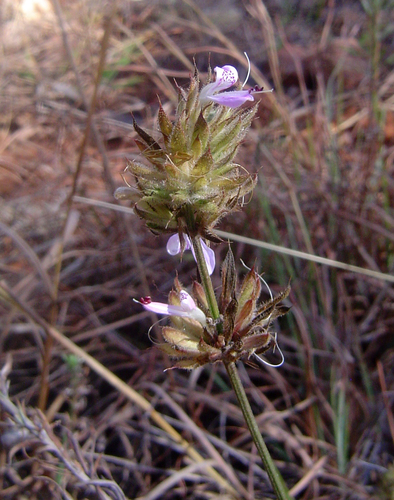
191,181
194,338
186,184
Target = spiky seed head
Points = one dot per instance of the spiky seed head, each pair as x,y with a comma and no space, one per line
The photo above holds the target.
190,181
243,328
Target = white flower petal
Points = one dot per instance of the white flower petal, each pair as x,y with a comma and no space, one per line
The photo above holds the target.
209,256
226,76
187,302
199,316
173,245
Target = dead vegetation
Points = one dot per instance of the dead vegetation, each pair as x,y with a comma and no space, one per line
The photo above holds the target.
86,409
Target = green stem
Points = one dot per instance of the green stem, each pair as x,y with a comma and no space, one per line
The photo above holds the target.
205,278
274,475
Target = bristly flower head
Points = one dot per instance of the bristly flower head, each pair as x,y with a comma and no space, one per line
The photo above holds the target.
190,181
243,330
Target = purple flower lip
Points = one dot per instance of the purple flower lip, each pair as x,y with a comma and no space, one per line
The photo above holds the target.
235,98
174,248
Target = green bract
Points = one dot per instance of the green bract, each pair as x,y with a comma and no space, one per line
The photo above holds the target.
242,330
189,181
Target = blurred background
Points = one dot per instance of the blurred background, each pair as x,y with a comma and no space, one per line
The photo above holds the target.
72,73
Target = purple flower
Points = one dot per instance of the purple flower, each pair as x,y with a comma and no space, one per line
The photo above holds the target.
186,309
232,99
226,77
174,247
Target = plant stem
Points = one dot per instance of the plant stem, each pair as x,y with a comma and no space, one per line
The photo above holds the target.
205,278
274,475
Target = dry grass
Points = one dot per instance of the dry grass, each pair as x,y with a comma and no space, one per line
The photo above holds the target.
92,414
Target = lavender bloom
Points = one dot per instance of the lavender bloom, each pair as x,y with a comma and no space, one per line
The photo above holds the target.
226,77
186,309
174,247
